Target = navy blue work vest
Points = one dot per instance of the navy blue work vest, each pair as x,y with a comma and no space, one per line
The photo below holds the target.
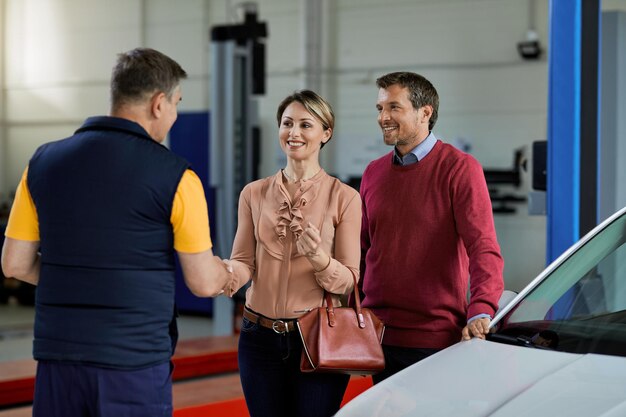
106,290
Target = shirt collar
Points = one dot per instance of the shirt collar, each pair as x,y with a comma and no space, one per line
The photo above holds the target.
114,123
416,154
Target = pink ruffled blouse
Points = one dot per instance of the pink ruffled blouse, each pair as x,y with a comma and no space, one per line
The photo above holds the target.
284,283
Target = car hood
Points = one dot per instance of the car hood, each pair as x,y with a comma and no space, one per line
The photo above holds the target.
483,378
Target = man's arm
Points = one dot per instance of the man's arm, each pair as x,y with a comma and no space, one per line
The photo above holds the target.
20,259
20,253
365,234
474,217
205,274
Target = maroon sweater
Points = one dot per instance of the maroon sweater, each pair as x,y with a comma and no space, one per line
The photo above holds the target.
428,227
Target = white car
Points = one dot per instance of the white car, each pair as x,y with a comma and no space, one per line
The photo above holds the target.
557,349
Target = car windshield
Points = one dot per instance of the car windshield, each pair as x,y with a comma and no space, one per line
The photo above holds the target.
581,306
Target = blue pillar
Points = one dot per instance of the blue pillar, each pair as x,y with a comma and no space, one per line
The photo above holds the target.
563,173
573,141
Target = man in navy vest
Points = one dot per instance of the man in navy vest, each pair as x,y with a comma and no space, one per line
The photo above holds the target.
95,223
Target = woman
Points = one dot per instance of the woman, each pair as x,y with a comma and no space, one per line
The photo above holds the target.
297,235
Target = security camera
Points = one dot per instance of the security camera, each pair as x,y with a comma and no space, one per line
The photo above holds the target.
530,48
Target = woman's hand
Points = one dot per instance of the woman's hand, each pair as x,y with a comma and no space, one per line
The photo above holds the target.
309,245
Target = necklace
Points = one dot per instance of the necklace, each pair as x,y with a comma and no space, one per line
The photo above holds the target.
292,179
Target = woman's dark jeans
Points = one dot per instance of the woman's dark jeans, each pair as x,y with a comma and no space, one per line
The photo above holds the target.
269,367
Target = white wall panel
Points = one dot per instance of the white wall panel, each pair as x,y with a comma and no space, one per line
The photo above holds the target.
523,246
614,5
284,43
54,104
443,32
179,29
492,136
194,94
24,140
51,42
613,124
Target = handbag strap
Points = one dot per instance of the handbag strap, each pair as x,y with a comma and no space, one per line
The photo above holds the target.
357,307
329,300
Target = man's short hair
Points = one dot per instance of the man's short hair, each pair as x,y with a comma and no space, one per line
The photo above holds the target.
421,91
141,72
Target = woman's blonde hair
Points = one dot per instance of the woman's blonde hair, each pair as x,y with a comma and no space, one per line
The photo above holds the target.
314,104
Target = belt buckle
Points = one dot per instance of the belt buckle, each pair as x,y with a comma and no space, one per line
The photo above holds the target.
280,327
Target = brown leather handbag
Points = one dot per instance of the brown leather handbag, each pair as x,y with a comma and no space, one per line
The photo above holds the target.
341,340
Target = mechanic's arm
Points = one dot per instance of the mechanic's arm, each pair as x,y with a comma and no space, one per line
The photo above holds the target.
20,259
205,274
20,253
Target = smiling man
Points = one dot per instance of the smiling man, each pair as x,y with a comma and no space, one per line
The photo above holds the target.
427,227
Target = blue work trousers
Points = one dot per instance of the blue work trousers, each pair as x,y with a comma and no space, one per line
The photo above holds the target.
72,390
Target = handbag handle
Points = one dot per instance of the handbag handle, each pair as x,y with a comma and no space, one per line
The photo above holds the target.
329,301
357,307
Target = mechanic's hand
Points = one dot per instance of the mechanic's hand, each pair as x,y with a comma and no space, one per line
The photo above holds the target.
476,328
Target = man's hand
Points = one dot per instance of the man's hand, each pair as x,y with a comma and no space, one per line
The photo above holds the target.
205,274
476,328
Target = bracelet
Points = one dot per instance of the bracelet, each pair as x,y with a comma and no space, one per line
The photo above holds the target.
320,270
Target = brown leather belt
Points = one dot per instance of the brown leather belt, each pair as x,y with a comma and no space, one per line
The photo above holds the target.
279,326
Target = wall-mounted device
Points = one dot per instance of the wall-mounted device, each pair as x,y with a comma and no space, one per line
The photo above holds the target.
496,178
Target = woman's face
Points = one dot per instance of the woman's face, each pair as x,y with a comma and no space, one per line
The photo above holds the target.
300,133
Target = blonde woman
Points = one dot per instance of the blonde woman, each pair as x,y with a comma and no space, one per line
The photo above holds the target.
298,235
